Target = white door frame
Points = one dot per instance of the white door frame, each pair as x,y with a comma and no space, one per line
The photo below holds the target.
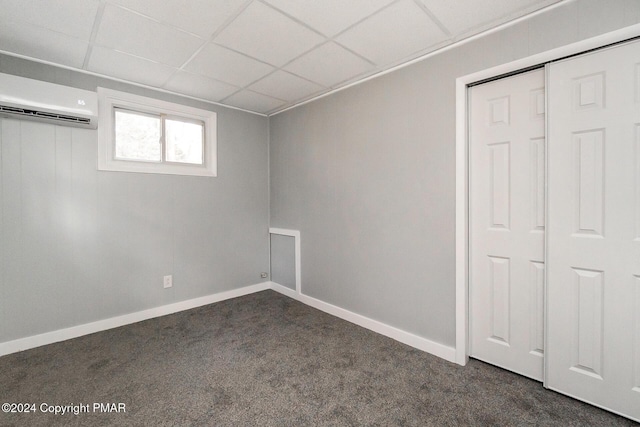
462,164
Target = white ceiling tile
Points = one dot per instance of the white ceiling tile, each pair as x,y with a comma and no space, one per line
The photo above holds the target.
150,41
393,34
25,39
227,66
268,35
319,65
329,16
199,86
124,66
132,33
71,17
253,101
285,86
201,17
463,16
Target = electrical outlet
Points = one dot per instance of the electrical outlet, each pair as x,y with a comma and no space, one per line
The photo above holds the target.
264,275
168,281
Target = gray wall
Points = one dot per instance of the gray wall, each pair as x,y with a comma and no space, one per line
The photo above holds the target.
78,245
368,174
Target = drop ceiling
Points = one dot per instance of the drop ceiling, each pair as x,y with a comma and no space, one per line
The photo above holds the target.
259,55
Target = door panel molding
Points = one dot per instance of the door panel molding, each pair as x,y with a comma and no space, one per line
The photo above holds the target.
507,222
593,254
462,164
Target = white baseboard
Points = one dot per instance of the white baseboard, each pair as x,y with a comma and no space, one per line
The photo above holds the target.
126,319
432,347
437,349
285,291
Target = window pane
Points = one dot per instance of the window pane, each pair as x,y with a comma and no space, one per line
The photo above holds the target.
137,137
184,141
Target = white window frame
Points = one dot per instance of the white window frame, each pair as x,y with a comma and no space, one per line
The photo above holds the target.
109,99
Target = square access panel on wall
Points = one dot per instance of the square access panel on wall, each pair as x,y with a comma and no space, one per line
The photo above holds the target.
285,258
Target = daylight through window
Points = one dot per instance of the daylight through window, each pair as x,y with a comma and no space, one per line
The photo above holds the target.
138,134
156,138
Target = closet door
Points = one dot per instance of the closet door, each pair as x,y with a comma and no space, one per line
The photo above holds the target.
507,222
593,317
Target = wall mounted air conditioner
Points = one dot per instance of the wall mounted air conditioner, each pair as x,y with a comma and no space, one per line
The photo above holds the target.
22,98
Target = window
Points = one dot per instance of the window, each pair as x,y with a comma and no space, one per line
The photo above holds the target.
138,134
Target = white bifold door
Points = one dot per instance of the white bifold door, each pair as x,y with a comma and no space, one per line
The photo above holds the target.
583,324
507,222
593,320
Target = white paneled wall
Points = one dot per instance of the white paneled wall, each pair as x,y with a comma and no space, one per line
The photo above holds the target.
78,245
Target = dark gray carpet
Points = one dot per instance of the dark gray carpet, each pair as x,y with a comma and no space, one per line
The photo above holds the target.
266,360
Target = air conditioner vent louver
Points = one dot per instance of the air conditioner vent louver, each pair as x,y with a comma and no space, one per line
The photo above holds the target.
43,114
27,99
